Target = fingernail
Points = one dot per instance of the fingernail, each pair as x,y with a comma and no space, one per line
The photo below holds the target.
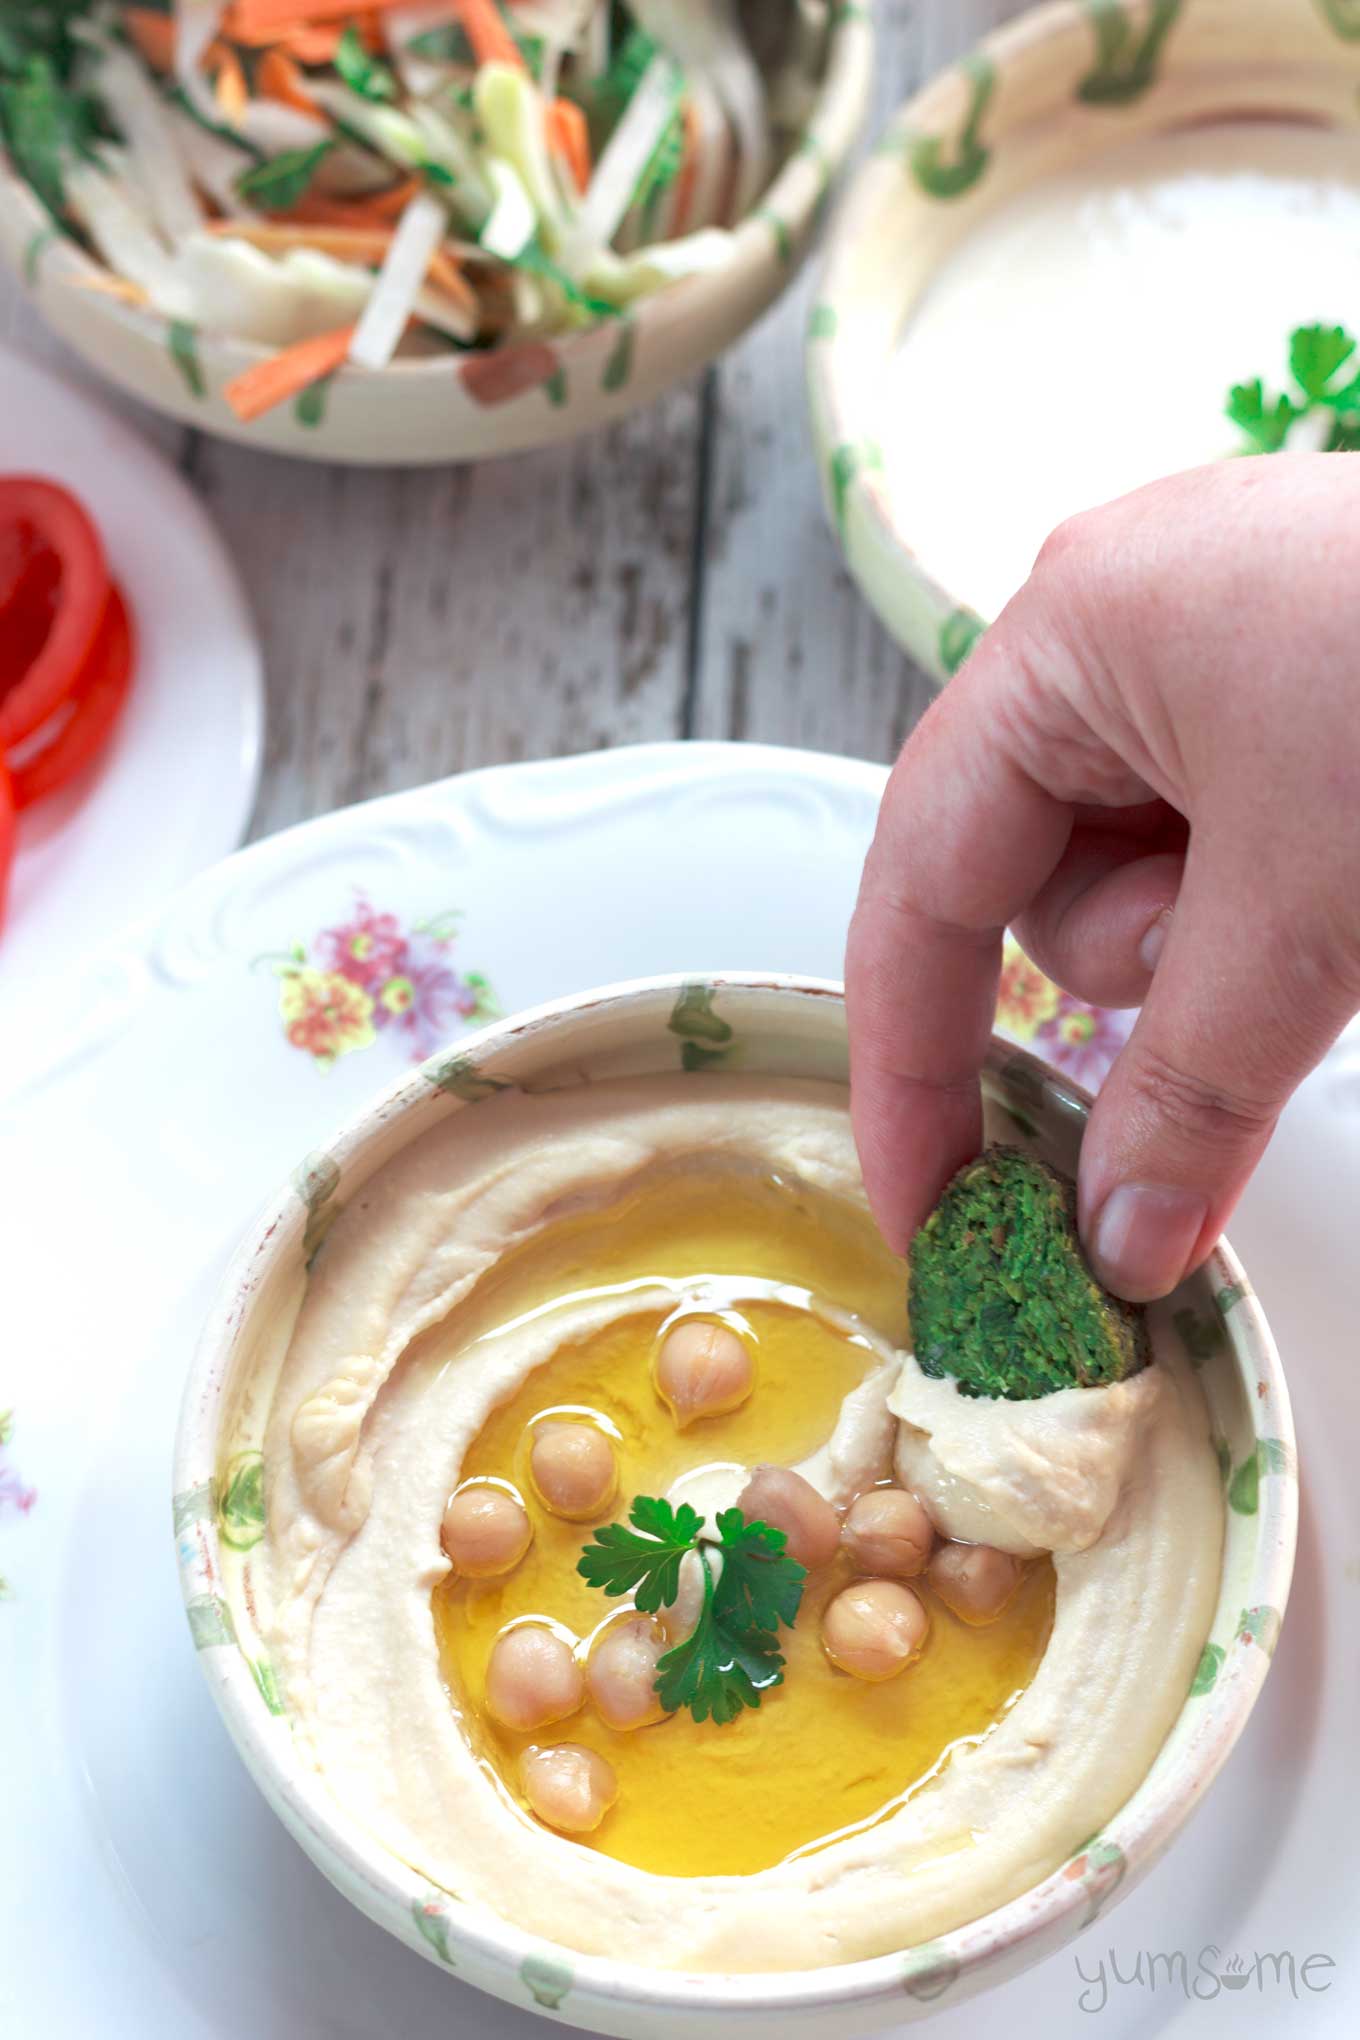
1144,1237
1154,942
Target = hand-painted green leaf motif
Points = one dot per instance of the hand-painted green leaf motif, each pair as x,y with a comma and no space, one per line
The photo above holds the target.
1207,1670
210,1621
822,323
1201,1337
1260,1625
555,387
1344,16
460,1077
547,1980
1271,1455
38,245
432,1923
315,1180
706,1037
182,340
1022,1122
1126,57
1100,1871
240,1509
619,366
263,1674
1228,1295
310,408
783,244
927,1972
946,168
959,632
1223,1454
194,1505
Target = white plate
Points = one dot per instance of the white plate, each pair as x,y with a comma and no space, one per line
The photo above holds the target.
173,790
154,1896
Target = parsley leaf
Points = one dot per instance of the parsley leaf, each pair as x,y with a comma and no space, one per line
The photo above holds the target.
1265,424
361,72
732,1654
281,181
1317,355
646,1557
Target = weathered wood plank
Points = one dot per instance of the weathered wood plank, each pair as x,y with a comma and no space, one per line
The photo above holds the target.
419,623
790,652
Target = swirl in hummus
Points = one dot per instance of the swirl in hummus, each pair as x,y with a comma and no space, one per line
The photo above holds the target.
402,1353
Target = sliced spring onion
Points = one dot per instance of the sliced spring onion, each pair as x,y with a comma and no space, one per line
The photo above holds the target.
511,226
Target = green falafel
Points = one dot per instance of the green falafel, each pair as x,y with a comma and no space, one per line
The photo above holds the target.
1001,1295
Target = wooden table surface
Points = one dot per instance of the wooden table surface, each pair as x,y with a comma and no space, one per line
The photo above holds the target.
672,576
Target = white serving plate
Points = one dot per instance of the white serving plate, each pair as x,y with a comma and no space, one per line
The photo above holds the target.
146,1116
173,790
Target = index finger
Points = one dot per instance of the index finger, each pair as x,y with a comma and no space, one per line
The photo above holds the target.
965,838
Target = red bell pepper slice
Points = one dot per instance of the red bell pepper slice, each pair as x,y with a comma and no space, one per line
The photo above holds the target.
95,704
49,518
6,834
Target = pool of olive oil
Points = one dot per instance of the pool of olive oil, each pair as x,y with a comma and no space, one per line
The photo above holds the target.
824,1752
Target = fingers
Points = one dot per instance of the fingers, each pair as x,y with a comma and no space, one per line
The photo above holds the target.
1241,1008
1098,926
964,838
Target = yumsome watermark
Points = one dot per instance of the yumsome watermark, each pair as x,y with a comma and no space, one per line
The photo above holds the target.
1201,1976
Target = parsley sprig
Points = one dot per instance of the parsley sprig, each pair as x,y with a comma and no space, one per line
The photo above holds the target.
732,1655
1317,357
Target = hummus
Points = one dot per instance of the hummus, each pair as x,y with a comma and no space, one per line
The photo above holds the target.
401,1353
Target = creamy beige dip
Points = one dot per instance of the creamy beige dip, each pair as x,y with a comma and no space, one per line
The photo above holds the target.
1084,339
396,1362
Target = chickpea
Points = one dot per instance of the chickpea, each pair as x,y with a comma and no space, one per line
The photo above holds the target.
568,1786
574,1470
486,1531
703,1370
874,1629
621,1674
974,1580
782,1498
532,1678
888,1532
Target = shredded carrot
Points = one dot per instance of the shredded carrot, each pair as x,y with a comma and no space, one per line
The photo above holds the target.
269,20
314,210
267,383
278,77
569,138
229,81
154,35
110,284
346,244
687,175
492,42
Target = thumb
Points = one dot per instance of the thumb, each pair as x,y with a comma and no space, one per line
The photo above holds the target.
1242,1006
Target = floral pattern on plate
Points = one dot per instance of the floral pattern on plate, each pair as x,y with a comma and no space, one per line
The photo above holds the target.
1080,1040
373,972
15,1498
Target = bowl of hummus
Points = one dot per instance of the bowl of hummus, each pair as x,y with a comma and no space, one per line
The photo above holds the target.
617,1612
1074,263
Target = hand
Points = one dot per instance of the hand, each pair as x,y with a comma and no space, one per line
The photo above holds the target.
1151,767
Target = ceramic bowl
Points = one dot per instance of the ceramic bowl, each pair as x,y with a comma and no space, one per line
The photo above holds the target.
779,1026
469,407
1057,85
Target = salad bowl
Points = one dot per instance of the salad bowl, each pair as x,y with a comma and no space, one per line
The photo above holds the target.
450,401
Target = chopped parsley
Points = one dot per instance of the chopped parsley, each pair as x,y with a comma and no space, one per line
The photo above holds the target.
1318,355
281,181
363,73
732,1655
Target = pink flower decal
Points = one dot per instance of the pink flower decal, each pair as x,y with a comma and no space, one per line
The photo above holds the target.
1080,1040
1025,998
15,1498
371,974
